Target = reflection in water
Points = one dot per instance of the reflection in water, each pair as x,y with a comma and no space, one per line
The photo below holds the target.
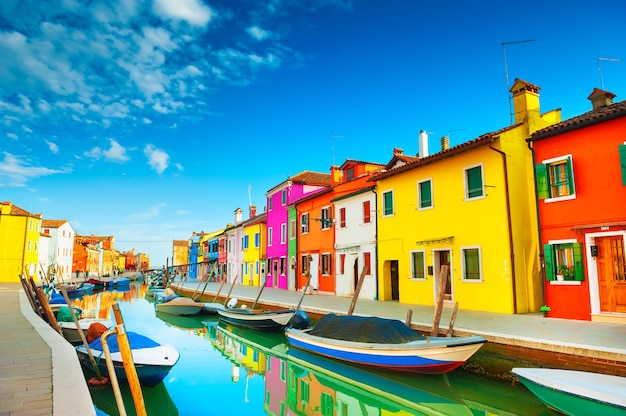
231,370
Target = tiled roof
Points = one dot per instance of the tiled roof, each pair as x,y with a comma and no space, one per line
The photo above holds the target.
52,223
17,211
181,243
311,178
591,117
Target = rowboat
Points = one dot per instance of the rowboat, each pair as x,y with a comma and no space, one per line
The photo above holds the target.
576,392
180,306
70,331
153,361
383,343
262,320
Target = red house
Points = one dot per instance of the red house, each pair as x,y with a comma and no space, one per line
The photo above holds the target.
580,172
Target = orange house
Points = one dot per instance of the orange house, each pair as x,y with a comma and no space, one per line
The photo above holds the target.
580,167
316,234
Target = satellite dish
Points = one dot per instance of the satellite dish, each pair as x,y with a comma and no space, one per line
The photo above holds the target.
232,303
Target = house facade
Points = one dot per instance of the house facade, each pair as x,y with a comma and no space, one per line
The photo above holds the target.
471,208
278,200
254,244
234,249
581,190
19,242
61,246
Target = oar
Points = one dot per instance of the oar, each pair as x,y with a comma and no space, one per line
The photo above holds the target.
219,290
306,287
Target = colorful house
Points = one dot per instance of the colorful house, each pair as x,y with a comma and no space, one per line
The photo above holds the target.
278,200
61,248
234,249
180,251
581,190
19,242
194,253
254,244
471,208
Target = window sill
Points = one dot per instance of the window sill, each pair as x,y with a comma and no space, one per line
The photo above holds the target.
565,283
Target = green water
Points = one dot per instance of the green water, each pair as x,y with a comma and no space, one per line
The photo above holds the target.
230,371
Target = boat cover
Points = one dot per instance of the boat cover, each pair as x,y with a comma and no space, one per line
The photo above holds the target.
135,340
364,329
64,314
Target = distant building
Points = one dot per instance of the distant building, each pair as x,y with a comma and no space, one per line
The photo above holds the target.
19,243
61,247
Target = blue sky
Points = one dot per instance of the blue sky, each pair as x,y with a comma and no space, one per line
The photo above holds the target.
148,120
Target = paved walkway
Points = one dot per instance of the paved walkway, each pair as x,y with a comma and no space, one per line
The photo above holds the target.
39,370
594,339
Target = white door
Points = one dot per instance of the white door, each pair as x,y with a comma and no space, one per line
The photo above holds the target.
314,269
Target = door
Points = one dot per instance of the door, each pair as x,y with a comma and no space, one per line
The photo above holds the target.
355,274
611,273
442,257
393,273
314,269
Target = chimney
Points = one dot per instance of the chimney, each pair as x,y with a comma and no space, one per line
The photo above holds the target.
398,151
525,100
422,144
238,215
600,98
252,211
445,143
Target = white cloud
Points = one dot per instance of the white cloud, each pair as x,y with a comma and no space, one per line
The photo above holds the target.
12,136
257,33
52,146
179,167
16,173
115,153
191,11
157,158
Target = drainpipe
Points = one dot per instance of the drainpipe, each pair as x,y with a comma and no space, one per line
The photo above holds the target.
542,259
376,240
508,215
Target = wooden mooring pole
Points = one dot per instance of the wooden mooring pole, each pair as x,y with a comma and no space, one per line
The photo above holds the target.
441,292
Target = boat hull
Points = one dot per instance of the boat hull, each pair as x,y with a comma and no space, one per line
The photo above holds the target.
152,364
436,355
211,308
70,331
258,320
576,392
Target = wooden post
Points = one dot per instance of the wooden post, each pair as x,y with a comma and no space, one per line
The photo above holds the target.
117,313
409,316
441,292
357,290
129,368
81,333
219,290
304,289
111,368
208,278
450,332
260,291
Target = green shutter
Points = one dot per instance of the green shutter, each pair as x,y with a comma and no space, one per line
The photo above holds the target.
474,182
570,177
549,260
579,264
541,175
622,162
425,199
388,203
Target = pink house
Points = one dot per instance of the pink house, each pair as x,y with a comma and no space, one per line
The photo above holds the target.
278,199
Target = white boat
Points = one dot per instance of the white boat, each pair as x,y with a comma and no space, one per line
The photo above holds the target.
180,306
576,392
263,320
70,331
212,307
153,361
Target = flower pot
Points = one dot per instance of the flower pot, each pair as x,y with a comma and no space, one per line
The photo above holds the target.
560,277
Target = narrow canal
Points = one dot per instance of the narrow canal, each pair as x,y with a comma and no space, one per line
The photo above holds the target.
224,370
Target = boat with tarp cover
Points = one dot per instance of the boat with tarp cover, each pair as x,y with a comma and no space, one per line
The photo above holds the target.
383,343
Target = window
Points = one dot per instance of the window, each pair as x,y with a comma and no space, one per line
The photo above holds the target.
305,263
622,161
474,182
257,240
564,259
256,267
245,241
304,223
418,265
282,265
471,263
283,233
342,263
367,263
28,246
327,404
304,391
325,221
388,203
270,235
555,178
326,262
349,174
425,194
292,229
283,197
342,218
366,212
269,203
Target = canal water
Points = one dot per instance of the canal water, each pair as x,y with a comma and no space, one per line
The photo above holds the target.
225,370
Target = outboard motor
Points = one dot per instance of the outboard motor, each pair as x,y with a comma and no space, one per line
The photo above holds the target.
300,320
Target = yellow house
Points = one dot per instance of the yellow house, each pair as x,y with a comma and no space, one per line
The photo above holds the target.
470,207
254,240
19,242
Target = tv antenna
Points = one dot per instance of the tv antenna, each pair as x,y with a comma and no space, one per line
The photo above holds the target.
332,146
449,131
600,71
506,72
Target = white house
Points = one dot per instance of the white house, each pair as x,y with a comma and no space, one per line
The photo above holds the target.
61,248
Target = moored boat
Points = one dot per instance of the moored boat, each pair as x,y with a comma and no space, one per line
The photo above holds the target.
70,331
576,392
263,320
180,306
383,343
153,361
211,307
